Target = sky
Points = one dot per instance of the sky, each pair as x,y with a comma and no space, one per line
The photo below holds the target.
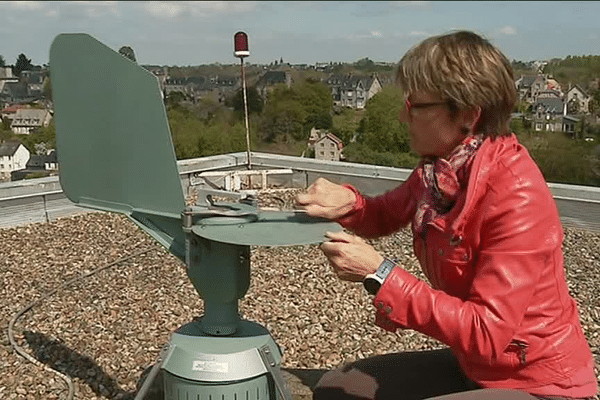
186,33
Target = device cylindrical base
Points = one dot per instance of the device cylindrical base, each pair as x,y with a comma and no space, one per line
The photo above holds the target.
177,388
242,366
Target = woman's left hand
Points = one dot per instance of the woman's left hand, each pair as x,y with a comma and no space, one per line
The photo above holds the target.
350,256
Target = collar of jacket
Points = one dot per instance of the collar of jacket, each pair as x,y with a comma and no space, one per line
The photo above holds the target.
484,163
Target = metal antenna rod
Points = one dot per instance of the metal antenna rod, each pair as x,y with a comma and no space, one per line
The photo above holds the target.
246,112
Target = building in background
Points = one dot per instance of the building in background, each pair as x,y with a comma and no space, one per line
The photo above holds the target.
27,120
353,91
326,145
13,157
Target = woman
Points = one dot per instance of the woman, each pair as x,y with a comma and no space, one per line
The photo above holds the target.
487,234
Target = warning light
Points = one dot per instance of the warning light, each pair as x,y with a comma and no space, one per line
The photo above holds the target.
240,41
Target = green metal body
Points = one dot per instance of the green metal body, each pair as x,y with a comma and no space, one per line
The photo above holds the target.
227,264
115,154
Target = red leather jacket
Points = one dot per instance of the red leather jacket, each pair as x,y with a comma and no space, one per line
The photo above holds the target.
498,296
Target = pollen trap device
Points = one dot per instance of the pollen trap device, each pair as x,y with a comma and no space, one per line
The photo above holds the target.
115,154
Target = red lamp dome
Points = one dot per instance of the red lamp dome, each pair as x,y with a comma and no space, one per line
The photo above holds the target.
240,41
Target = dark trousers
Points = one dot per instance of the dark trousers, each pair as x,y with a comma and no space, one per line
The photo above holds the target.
419,375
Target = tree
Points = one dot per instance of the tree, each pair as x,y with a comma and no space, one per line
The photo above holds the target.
5,132
186,132
290,113
382,129
573,106
520,127
523,107
174,98
48,89
2,62
5,124
41,148
207,109
42,137
318,121
382,138
364,64
127,51
282,121
346,123
255,102
595,102
562,160
23,64
358,153
315,97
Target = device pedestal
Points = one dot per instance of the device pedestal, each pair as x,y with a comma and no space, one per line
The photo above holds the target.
242,366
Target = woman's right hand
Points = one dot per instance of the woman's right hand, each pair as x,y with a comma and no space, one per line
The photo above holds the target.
326,200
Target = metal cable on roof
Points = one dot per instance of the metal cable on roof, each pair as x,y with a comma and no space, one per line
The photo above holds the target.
21,351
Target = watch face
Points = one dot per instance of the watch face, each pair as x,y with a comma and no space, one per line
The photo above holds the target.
372,285
373,282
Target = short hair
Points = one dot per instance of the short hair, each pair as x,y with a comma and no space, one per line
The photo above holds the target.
466,70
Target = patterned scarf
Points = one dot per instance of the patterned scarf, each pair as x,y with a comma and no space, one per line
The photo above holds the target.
443,181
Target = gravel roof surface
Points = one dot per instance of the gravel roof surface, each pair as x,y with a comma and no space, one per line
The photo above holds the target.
106,329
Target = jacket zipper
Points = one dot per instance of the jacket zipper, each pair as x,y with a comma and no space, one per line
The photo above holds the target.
521,351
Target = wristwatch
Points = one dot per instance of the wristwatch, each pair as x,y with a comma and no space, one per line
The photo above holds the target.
373,282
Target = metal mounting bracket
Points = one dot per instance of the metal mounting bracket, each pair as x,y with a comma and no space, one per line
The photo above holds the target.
270,364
